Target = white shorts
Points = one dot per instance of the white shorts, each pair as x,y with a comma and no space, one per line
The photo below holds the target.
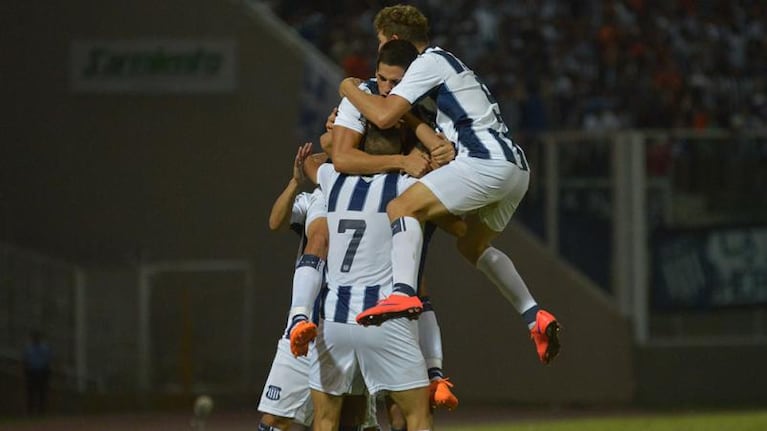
387,357
493,188
286,392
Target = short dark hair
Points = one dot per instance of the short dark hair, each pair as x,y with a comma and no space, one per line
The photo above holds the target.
382,141
397,52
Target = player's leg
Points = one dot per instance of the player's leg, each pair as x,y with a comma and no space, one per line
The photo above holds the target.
285,398
333,372
396,367
430,342
355,413
476,247
406,213
414,405
307,281
274,423
396,418
327,411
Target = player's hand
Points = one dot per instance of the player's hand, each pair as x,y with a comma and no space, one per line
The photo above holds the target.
298,164
347,84
417,164
331,120
443,153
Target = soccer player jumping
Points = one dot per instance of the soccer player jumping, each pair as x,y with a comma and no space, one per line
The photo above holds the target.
485,182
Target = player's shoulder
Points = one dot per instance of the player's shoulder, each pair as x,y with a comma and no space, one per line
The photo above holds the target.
326,173
444,57
317,193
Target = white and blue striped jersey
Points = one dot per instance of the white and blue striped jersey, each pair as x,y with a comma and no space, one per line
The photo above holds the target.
349,116
359,255
467,113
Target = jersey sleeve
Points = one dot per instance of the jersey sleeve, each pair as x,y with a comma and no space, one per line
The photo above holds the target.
349,116
325,176
420,78
300,208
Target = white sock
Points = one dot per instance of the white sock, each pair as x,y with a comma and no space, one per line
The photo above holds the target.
430,339
407,239
307,281
502,272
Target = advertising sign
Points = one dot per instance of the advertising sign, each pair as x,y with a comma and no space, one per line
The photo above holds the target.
153,66
710,268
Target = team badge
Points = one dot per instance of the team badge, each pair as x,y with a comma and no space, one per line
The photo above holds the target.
273,392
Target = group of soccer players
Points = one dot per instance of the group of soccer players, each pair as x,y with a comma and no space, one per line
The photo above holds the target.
422,144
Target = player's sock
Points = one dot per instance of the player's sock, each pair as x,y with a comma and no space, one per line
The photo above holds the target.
264,427
435,372
407,237
501,271
430,338
307,281
530,315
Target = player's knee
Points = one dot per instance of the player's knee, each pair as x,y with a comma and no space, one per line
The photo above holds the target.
400,207
396,208
471,248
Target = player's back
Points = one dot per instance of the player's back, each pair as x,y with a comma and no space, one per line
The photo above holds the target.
359,253
467,113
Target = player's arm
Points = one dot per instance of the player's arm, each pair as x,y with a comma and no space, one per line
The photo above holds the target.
311,164
440,149
279,217
384,112
349,159
346,139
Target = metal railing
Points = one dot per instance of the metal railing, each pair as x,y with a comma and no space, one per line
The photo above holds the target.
600,200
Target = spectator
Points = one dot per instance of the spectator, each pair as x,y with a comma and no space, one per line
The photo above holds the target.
37,371
662,64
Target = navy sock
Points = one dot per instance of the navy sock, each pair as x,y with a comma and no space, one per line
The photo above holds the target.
435,372
530,314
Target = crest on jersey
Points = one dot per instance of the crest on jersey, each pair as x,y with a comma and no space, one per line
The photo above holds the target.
273,392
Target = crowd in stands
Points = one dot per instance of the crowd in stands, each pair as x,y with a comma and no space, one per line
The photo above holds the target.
587,64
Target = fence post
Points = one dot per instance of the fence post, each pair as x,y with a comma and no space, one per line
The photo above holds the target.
81,331
621,264
143,328
638,241
551,208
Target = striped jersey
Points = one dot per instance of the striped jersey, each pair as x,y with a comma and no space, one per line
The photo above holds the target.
359,254
467,113
349,116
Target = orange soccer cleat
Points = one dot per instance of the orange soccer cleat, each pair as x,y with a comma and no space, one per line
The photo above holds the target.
300,336
441,395
545,335
391,307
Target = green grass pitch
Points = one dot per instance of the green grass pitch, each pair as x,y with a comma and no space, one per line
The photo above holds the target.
725,421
